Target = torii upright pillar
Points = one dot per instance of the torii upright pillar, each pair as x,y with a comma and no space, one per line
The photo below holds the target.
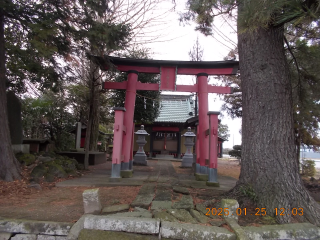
213,149
126,164
203,125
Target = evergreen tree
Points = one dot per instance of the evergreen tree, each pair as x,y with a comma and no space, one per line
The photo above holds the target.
268,143
39,34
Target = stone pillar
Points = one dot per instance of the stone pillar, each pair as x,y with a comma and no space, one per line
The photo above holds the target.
213,153
78,135
128,119
141,158
187,159
117,143
203,122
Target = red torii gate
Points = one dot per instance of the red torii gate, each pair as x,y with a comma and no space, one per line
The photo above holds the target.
122,148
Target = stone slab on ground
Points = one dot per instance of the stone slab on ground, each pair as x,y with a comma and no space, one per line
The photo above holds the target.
238,230
24,237
115,208
217,222
86,234
193,231
199,216
76,228
163,195
182,190
182,215
35,227
46,237
122,224
5,235
232,205
160,205
145,214
165,216
138,209
186,202
163,179
206,211
152,178
61,238
145,196
91,201
283,231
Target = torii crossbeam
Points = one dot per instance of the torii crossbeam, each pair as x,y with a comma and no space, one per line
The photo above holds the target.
168,70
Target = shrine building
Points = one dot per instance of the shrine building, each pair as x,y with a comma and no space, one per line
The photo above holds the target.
177,113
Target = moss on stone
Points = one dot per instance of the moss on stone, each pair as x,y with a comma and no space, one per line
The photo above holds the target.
55,169
126,174
201,177
26,158
212,184
38,171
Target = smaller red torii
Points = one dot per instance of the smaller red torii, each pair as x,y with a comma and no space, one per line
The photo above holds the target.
168,70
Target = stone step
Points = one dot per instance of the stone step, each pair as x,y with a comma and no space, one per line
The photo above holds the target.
86,234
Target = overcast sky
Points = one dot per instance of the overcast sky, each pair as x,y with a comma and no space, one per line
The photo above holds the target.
177,40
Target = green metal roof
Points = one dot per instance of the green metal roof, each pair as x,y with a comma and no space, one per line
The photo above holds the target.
175,108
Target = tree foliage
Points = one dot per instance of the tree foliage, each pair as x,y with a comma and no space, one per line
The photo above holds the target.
236,152
223,131
47,117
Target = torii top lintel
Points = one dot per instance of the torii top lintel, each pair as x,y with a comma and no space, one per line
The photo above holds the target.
168,70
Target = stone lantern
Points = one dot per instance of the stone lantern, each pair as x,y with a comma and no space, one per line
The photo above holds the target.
187,159
140,158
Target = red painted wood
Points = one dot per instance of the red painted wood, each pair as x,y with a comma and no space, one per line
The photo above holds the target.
209,71
128,115
203,119
187,88
168,78
115,85
182,71
147,86
164,129
213,149
124,68
117,136
217,89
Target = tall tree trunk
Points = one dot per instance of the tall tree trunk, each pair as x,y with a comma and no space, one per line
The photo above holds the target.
95,113
269,163
93,117
9,166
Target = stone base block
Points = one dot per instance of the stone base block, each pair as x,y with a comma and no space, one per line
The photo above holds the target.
140,159
197,168
187,161
115,172
91,201
201,177
126,173
212,184
174,230
123,224
124,166
115,179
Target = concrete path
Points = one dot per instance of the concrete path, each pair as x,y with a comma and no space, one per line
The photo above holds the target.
157,171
